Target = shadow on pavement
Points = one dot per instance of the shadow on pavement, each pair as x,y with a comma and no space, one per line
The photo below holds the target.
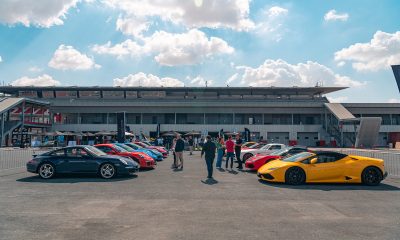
75,178
333,187
209,181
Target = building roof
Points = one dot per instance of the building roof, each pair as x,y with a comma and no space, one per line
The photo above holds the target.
8,103
220,90
339,111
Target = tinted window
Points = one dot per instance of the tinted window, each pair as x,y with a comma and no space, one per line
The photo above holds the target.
58,153
327,157
298,157
76,152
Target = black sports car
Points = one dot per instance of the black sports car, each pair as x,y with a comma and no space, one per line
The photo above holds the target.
80,159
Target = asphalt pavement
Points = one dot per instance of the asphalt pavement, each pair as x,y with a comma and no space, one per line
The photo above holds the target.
167,204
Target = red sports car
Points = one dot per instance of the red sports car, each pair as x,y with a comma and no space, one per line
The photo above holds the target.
160,149
144,160
255,162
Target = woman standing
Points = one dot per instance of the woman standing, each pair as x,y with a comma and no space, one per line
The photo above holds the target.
220,150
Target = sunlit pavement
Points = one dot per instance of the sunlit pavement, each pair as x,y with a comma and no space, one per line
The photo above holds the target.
167,204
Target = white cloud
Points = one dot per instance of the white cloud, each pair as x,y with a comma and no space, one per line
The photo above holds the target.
132,26
394,100
35,69
382,51
199,81
233,14
270,24
1,59
337,99
68,58
40,81
149,80
332,15
281,73
170,49
43,13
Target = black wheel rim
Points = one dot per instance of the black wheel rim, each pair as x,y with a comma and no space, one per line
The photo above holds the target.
371,176
295,176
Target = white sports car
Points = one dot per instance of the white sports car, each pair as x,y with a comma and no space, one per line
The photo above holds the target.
265,150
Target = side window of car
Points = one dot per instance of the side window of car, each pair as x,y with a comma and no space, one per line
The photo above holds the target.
71,152
58,153
328,158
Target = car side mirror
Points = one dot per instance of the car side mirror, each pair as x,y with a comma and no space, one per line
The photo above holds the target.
313,161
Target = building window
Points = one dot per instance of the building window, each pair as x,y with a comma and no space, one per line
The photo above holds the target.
306,119
278,119
94,118
132,118
396,119
215,118
190,118
248,118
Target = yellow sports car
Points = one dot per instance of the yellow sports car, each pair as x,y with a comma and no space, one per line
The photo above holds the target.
324,167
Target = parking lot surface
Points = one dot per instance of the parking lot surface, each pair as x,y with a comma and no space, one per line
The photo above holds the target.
167,204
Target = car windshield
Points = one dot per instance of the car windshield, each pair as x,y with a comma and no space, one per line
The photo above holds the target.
280,152
134,146
95,151
298,157
257,146
129,149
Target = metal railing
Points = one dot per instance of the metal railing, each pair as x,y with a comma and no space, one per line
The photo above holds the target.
11,158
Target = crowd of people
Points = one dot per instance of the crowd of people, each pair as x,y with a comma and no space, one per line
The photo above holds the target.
211,148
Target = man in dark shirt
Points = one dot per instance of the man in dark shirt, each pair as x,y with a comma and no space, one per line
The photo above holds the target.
190,141
238,149
209,149
179,147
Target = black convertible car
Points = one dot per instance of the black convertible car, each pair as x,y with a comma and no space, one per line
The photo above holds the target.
80,159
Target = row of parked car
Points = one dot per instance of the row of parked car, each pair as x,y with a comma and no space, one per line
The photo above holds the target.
107,160
298,165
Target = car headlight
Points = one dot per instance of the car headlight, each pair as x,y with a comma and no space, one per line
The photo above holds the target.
124,161
272,168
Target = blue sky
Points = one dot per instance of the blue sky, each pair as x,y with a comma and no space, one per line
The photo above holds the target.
187,43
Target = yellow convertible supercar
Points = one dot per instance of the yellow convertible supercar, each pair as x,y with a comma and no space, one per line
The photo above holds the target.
324,167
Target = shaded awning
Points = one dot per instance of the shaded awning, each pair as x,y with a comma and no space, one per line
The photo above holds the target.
340,112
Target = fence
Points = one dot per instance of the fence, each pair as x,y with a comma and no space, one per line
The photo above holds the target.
16,158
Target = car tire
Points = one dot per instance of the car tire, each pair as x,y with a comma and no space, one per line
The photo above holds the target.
107,171
371,176
247,156
295,176
46,170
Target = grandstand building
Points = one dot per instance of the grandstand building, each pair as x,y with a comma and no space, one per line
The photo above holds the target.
301,115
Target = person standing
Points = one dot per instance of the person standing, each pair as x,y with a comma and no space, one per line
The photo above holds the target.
190,145
238,149
179,147
220,150
174,165
230,154
209,151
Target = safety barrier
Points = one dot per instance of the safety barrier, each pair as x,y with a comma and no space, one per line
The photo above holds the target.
17,158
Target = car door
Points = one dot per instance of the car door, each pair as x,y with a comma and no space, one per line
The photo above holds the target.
76,161
325,170
60,161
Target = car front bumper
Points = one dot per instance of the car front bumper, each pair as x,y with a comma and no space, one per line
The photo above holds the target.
385,175
130,170
31,167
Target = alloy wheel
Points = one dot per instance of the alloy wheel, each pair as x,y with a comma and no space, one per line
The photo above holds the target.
46,171
107,171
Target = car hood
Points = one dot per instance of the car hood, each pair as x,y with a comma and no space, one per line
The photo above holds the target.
275,164
127,159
